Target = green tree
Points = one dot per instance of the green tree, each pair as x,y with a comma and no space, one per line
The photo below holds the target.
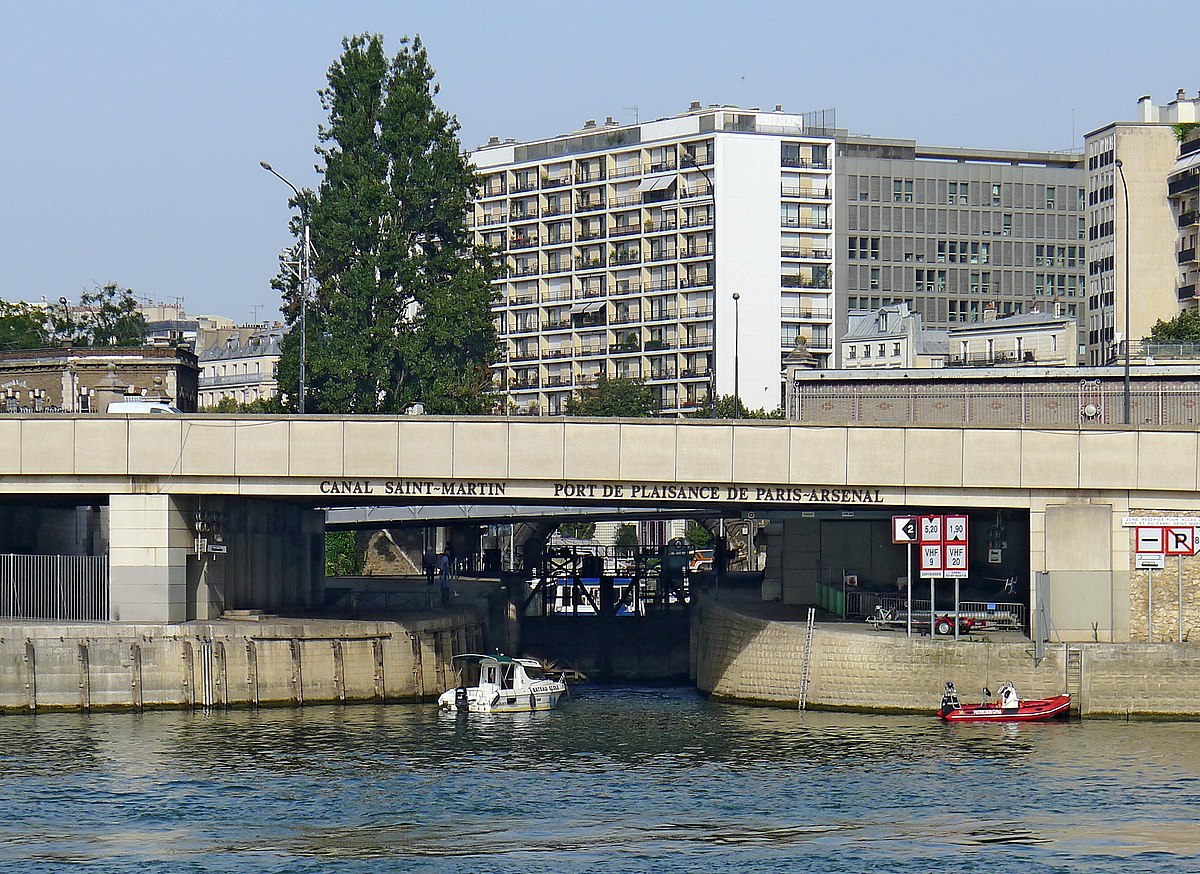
342,555
697,535
621,396
1184,328
107,316
578,530
262,405
626,535
23,326
731,407
402,306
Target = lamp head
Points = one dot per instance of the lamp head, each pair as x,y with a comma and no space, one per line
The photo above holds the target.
264,165
1119,163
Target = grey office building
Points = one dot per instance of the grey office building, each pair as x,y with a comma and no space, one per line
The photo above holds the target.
950,230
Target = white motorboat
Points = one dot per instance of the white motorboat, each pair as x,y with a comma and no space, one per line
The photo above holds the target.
500,684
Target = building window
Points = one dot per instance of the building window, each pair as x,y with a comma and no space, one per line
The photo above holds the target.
874,248
852,350
1006,225
896,349
874,277
902,191
941,252
1050,196
995,194
958,193
867,351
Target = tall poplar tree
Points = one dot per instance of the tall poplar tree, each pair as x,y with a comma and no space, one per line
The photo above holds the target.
401,311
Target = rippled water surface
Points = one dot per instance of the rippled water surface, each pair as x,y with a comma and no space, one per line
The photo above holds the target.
616,779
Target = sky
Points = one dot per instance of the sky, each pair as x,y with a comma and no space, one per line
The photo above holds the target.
134,130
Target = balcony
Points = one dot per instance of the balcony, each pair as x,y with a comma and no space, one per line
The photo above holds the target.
556,183
703,221
624,230
659,227
807,193
806,314
791,281
1191,182
626,286
802,222
1186,256
695,191
523,215
696,341
522,242
660,345
662,255
626,172
559,238
589,205
522,185
555,381
525,270
492,219
557,325
631,256
556,209
982,359
700,251
1186,292
695,281
625,200
585,176
562,266
666,314
626,319
804,162
662,285
583,236
593,263
527,355
1189,218
807,254
696,313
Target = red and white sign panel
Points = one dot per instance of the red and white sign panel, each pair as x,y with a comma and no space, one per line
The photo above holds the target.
1179,540
931,560
955,529
931,529
904,529
1149,539
956,560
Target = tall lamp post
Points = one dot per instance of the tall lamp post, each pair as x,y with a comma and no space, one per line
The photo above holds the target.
1125,194
687,158
737,336
305,271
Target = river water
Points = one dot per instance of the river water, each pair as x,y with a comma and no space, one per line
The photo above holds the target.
620,779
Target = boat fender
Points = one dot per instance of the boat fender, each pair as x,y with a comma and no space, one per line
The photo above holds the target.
496,700
532,701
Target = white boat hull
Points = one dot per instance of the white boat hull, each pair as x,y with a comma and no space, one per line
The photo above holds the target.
502,701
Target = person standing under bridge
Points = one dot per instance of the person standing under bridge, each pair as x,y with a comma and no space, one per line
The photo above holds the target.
444,574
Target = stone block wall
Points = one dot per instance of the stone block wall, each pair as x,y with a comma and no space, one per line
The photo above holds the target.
756,660
229,663
1166,600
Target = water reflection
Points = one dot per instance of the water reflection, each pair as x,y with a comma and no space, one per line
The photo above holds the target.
649,777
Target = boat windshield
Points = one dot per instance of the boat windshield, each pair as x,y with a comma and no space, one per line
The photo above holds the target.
533,673
468,673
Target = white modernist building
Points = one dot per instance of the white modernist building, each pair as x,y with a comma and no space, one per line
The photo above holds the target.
690,252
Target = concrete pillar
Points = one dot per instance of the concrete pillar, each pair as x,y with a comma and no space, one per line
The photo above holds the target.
1079,551
150,538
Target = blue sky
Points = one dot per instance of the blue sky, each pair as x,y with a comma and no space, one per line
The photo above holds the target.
134,130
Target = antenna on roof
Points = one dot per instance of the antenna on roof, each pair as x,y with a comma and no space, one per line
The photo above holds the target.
637,116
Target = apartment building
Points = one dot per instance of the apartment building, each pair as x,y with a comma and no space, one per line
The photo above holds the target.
691,252
951,232
240,364
1183,192
1134,219
890,337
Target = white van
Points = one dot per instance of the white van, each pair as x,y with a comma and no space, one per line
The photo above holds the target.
140,407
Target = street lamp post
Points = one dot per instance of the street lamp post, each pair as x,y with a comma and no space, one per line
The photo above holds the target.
1125,198
687,158
305,271
737,336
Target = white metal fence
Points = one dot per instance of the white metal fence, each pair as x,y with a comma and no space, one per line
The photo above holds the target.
64,587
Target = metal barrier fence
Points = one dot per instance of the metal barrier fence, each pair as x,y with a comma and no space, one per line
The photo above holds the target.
64,587
1085,404
998,615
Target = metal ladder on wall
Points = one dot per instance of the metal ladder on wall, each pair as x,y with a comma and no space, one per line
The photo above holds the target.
805,670
1073,681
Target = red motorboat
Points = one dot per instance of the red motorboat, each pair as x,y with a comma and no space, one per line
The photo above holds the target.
1008,707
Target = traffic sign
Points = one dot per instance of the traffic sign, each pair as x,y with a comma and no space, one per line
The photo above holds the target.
931,529
904,529
1149,539
1149,561
956,561
1180,540
931,560
956,529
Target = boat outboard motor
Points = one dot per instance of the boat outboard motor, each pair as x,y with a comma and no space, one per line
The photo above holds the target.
461,702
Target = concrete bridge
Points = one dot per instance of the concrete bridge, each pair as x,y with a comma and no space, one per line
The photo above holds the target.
255,486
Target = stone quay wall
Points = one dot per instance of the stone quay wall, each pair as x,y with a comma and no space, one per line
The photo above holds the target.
229,663
750,659
1176,592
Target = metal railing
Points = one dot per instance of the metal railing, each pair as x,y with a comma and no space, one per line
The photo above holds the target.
1085,405
63,587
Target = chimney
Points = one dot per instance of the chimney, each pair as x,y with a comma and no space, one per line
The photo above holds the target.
1180,96
608,119
590,123
695,105
779,107
1146,108
493,141
989,313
